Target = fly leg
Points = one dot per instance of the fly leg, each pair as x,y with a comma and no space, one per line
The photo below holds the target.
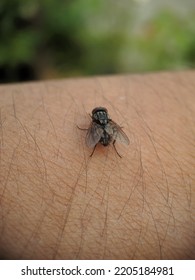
82,128
93,150
116,149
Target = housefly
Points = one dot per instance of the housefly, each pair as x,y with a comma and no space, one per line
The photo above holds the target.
104,130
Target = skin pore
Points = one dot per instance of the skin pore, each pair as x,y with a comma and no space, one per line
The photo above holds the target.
56,202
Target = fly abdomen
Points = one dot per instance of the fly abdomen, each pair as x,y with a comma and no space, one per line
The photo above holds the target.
105,139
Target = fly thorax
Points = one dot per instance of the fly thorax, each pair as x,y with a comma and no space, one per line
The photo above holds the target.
101,117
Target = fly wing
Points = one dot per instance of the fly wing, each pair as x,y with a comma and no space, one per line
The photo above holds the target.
94,134
117,133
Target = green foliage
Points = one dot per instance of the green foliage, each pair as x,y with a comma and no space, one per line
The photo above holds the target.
83,37
166,41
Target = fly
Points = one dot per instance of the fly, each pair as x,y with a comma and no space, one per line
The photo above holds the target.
104,130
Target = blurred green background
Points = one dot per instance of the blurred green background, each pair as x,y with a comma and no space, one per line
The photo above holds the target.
44,39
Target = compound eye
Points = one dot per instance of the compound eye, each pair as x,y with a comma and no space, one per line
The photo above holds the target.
98,109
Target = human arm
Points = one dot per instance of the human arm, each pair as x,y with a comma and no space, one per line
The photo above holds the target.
57,202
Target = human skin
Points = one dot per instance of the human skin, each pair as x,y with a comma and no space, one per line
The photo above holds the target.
57,202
